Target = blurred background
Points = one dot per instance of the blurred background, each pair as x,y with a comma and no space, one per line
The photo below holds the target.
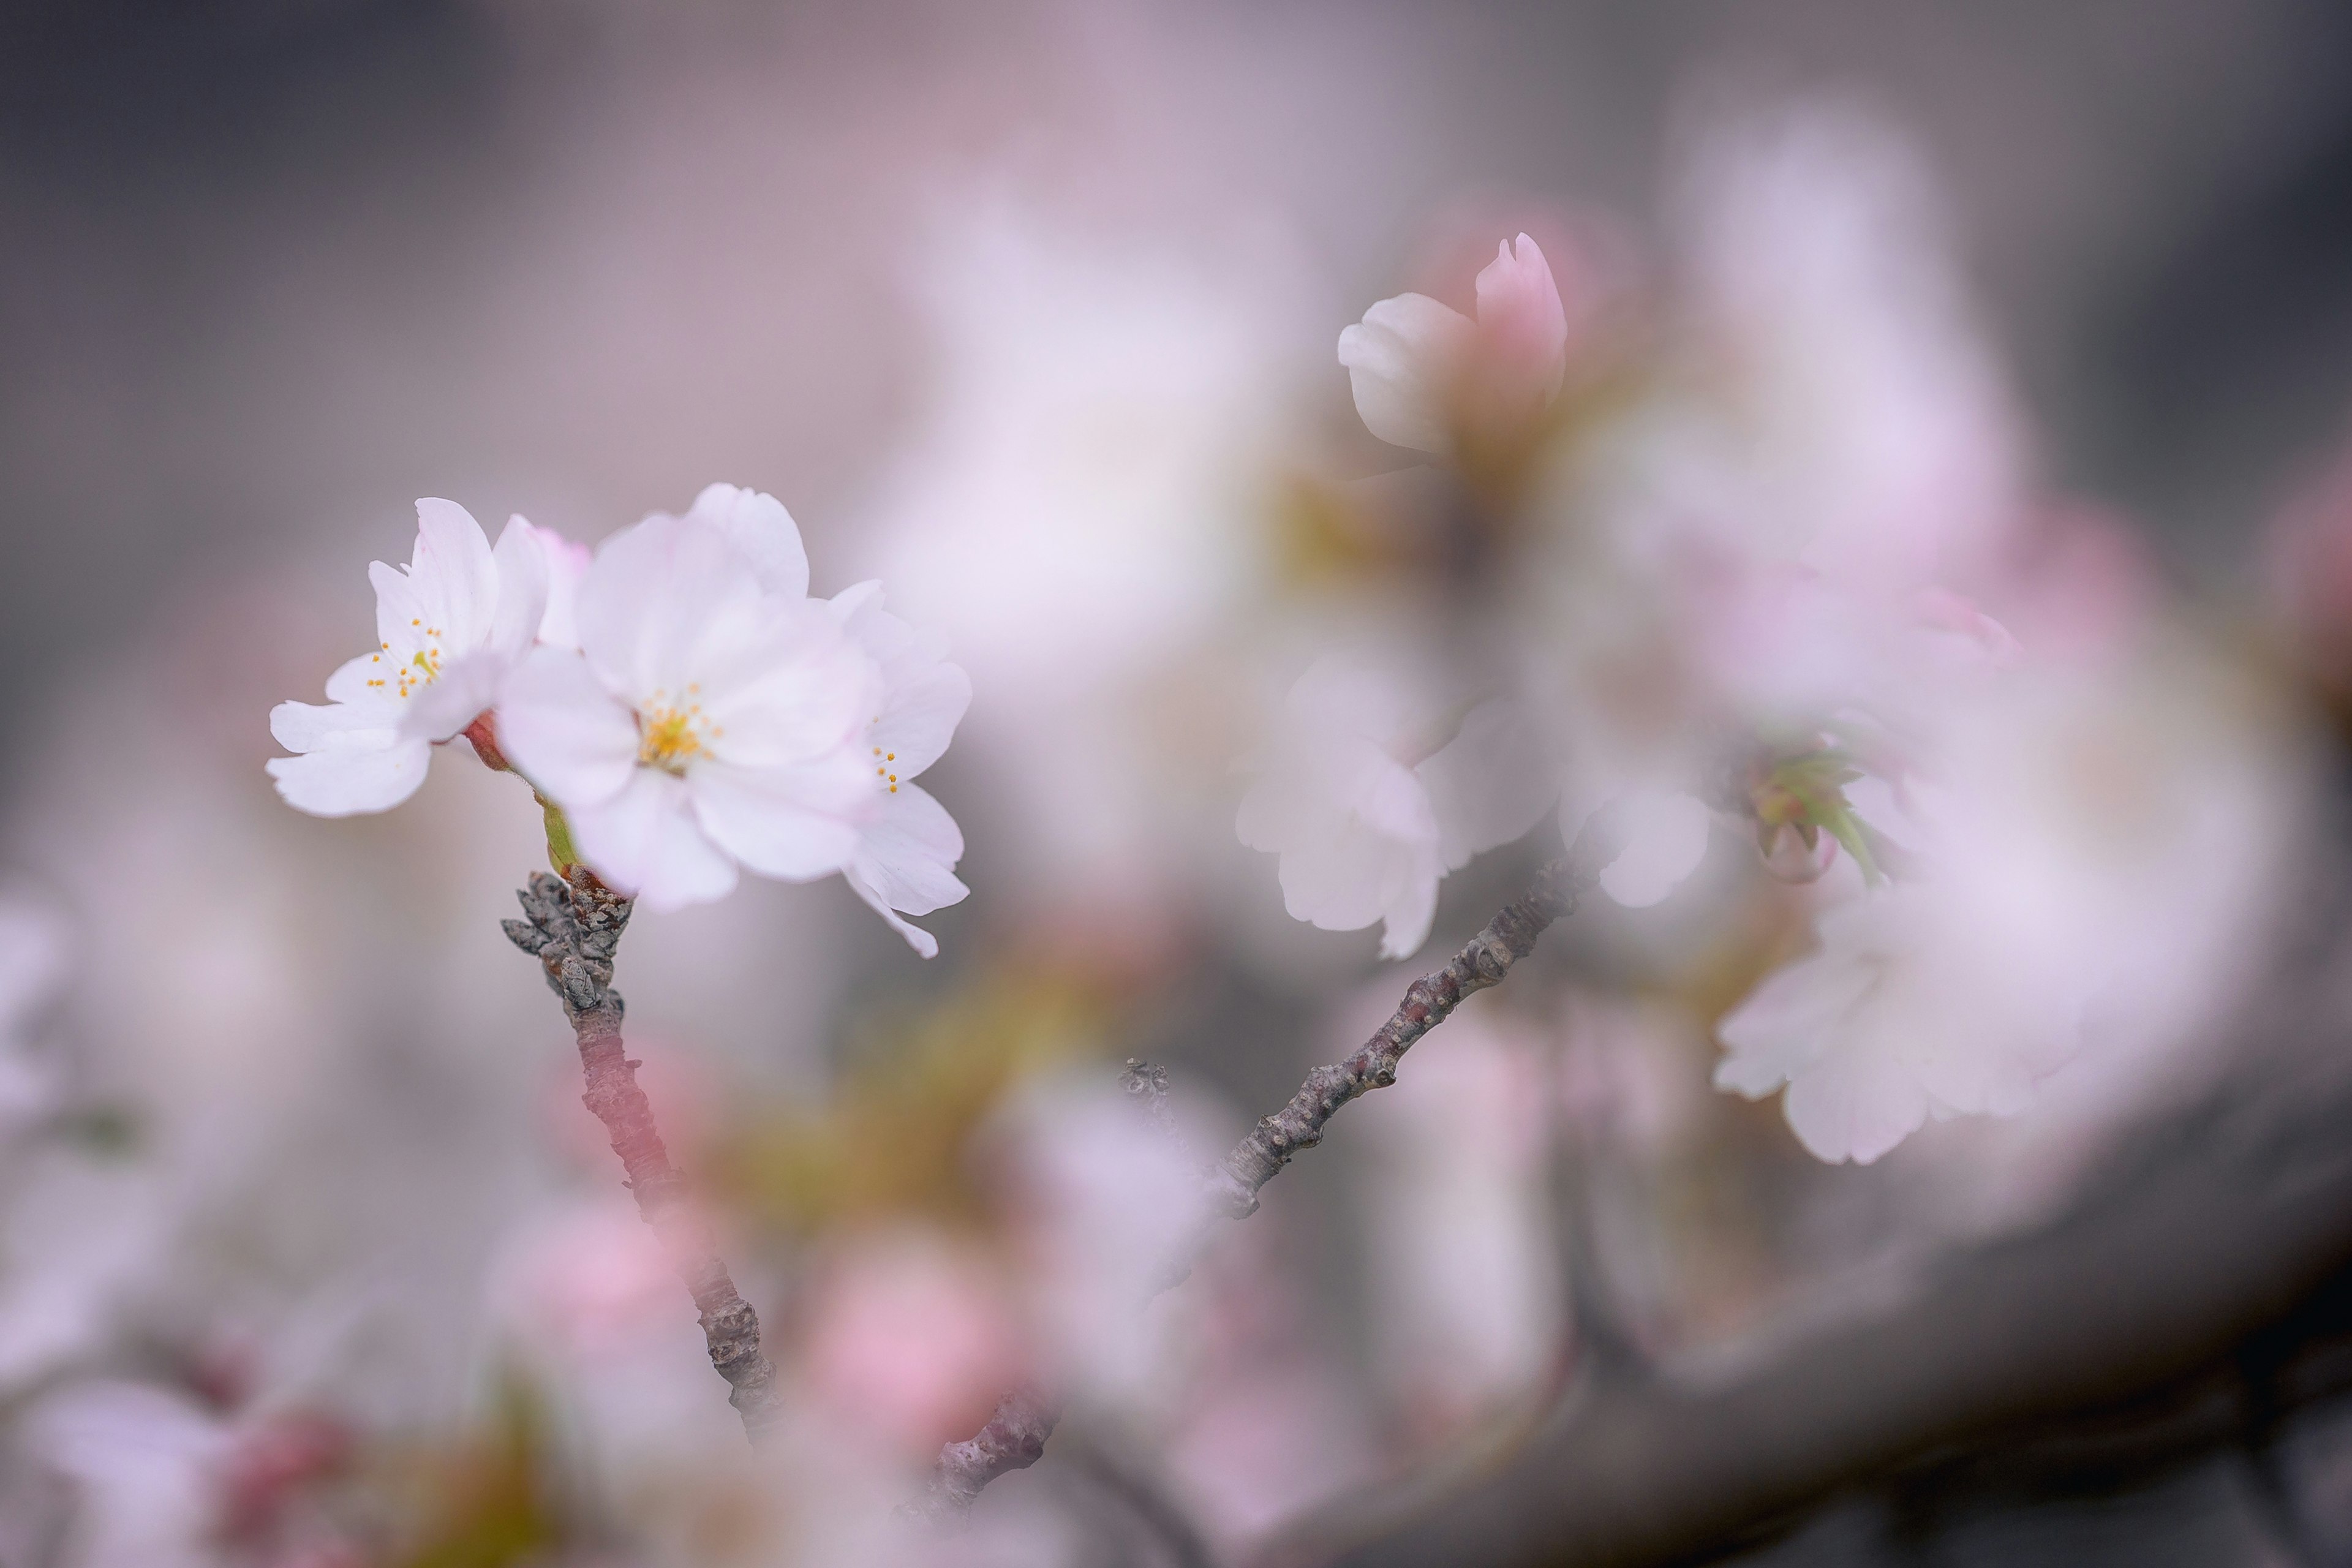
308,1253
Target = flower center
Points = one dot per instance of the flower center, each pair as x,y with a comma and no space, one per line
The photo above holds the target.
420,669
668,737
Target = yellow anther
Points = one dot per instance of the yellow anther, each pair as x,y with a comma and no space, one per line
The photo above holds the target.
666,739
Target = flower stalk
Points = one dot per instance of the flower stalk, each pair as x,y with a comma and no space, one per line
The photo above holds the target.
573,927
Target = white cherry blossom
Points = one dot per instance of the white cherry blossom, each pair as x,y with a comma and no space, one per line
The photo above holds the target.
1412,361
906,851
2059,816
1370,792
449,627
1905,1013
709,719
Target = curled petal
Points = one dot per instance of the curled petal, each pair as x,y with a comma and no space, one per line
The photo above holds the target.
909,853
1402,359
1522,327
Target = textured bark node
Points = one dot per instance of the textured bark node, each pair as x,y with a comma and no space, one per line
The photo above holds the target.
573,928
1015,1435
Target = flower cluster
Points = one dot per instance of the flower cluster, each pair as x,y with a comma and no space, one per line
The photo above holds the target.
1722,586
678,697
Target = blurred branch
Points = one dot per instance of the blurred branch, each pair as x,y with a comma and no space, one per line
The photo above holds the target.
2198,1286
1016,1437
573,928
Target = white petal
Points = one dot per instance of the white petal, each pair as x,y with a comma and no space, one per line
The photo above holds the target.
1665,838
646,842
1405,922
921,941
453,573
1522,327
1789,1021
657,596
567,563
919,719
361,772
785,688
351,685
909,853
1490,784
525,576
1401,361
466,686
763,532
1854,1104
304,727
573,738
400,617
781,822
925,697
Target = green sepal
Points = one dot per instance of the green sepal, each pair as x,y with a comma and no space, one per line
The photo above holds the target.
561,853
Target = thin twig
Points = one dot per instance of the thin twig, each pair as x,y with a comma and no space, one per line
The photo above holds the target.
1016,1437
574,929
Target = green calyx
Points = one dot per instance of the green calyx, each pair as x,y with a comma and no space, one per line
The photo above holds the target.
560,854
1807,796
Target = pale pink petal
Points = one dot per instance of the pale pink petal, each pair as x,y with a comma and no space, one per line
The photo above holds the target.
400,619
453,573
438,710
573,738
524,584
1405,922
909,853
927,696
657,598
1855,1104
1402,359
1788,1022
763,532
1490,784
1665,838
645,841
1522,327
921,941
781,822
921,718
792,689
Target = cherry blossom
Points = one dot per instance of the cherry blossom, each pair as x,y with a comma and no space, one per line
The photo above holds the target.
906,851
1416,365
449,627
2057,816
1370,792
1902,1014
717,715
708,719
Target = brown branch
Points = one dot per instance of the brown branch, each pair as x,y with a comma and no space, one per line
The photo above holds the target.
574,929
1016,1437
